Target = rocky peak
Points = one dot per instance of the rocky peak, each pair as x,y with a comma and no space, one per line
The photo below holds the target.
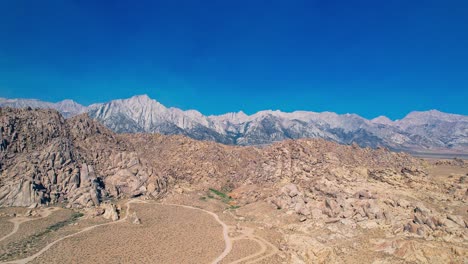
67,103
382,120
235,118
143,99
420,117
69,108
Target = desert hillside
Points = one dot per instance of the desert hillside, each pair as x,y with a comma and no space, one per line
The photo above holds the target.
302,201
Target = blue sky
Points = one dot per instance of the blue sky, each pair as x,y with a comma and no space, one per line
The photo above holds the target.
366,57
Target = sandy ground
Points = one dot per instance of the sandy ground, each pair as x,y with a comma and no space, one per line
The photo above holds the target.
447,175
5,226
253,242
20,243
168,234
242,248
26,242
36,224
6,213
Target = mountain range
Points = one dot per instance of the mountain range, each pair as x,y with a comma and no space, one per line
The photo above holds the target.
428,131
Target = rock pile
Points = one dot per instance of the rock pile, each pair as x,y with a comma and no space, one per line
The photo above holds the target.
46,159
452,162
111,211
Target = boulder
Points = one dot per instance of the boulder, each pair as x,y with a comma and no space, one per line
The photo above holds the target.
290,189
110,212
133,218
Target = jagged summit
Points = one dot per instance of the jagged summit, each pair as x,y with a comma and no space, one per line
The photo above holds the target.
69,108
426,131
382,120
234,117
141,97
434,114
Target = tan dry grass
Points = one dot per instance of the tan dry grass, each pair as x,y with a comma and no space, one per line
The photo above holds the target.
168,234
5,226
242,248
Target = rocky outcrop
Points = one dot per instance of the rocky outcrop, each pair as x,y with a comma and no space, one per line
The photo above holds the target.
46,159
453,162
349,191
111,211
134,219
334,215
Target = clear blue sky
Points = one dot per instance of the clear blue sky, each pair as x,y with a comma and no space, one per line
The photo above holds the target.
366,57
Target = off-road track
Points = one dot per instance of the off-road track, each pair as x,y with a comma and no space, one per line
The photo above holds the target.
246,233
30,258
17,221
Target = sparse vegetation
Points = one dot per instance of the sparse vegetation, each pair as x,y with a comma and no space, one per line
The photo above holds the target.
228,187
26,245
61,224
225,198
220,193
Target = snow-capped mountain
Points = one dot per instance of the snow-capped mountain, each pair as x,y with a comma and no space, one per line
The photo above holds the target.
143,114
67,107
430,131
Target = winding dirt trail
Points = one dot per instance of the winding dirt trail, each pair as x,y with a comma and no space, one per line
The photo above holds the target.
274,252
227,239
30,258
248,234
16,225
17,221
